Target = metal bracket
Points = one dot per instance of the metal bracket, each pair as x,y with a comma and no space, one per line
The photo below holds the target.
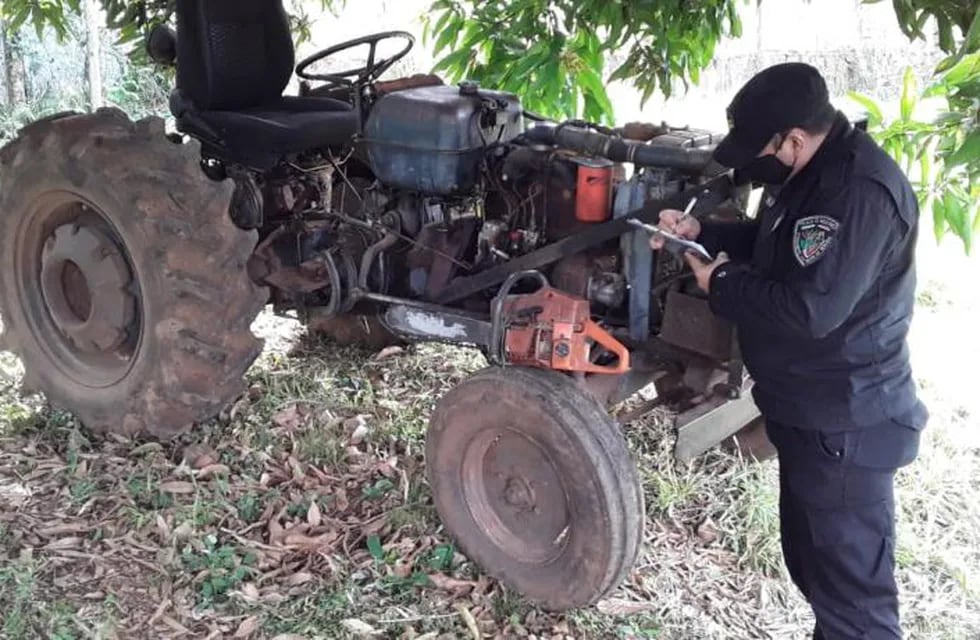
710,423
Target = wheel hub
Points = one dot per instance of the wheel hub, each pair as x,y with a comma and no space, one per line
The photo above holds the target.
85,280
513,490
519,494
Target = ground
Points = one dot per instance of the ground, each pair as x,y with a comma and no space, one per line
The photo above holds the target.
302,512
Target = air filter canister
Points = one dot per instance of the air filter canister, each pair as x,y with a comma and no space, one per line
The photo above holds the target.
593,195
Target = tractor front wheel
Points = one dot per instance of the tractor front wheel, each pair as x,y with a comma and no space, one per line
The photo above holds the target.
534,481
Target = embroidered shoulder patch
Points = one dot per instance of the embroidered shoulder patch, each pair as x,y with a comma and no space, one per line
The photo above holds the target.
812,236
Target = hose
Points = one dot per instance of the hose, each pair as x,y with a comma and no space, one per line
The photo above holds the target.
620,150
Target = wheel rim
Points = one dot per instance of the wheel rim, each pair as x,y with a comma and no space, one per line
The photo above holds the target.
513,490
534,482
78,289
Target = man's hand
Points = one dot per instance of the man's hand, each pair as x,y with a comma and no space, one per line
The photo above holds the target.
702,270
675,222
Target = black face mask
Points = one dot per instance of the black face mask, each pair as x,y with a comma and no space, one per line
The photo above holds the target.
768,170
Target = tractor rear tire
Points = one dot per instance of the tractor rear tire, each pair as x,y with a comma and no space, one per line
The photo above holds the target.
123,283
534,481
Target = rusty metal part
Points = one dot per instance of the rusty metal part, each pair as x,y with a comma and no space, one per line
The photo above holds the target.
155,254
643,131
710,422
515,494
583,274
439,250
410,82
371,255
535,483
709,194
381,88
610,390
281,261
689,324
84,279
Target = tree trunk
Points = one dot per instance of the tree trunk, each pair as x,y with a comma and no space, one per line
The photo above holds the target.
4,50
14,69
93,54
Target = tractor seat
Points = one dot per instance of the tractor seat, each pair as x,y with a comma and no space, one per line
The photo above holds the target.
234,59
285,126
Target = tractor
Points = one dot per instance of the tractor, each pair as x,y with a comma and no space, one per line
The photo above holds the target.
134,260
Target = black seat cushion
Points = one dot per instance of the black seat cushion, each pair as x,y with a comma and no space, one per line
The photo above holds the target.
289,125
234,59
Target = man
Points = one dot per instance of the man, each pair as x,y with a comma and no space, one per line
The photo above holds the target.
820,288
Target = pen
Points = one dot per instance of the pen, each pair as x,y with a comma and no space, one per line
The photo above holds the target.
689,208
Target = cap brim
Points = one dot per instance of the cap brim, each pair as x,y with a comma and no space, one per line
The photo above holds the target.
733,153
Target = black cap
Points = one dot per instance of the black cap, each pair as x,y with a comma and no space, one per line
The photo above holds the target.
775,100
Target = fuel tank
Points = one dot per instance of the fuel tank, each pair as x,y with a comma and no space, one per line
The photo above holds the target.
433,139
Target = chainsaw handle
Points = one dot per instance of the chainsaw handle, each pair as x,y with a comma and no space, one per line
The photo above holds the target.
602,338
571,351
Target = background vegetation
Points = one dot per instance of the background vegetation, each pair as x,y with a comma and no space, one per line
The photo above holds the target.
302,511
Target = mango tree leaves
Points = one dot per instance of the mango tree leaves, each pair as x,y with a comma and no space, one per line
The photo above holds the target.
555,53
966,153
130,19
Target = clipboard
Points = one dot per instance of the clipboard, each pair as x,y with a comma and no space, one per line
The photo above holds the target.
676,245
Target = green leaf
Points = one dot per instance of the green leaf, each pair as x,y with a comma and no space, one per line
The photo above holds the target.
909,91
968,152
454,64
374,547
946,41
592,83
926,165
965,70
972,41
939,218
957,211
438,26
875,117
447,36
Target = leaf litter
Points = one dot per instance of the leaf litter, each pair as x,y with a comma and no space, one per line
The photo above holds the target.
302,513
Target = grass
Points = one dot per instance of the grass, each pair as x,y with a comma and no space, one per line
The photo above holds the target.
320,518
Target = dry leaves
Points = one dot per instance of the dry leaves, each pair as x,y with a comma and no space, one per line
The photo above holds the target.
291,418
616,607
248,627
360,628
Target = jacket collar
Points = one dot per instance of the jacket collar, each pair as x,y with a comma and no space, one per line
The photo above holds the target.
833,146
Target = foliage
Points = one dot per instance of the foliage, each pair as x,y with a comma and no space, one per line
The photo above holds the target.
948,16
222,568
941,151
554,53
129,19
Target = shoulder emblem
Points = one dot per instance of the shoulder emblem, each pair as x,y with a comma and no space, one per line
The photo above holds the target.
812,236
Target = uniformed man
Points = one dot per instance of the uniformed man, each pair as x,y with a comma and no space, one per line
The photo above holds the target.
820,287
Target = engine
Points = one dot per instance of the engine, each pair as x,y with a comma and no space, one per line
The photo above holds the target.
447,182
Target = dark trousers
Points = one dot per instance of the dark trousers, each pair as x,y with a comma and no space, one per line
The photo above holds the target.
837,514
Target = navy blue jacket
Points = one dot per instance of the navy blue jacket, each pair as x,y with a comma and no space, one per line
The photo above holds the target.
821,290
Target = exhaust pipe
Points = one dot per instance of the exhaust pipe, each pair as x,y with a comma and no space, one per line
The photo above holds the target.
620,150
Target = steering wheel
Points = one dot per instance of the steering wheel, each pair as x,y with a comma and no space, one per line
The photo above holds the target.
361,75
